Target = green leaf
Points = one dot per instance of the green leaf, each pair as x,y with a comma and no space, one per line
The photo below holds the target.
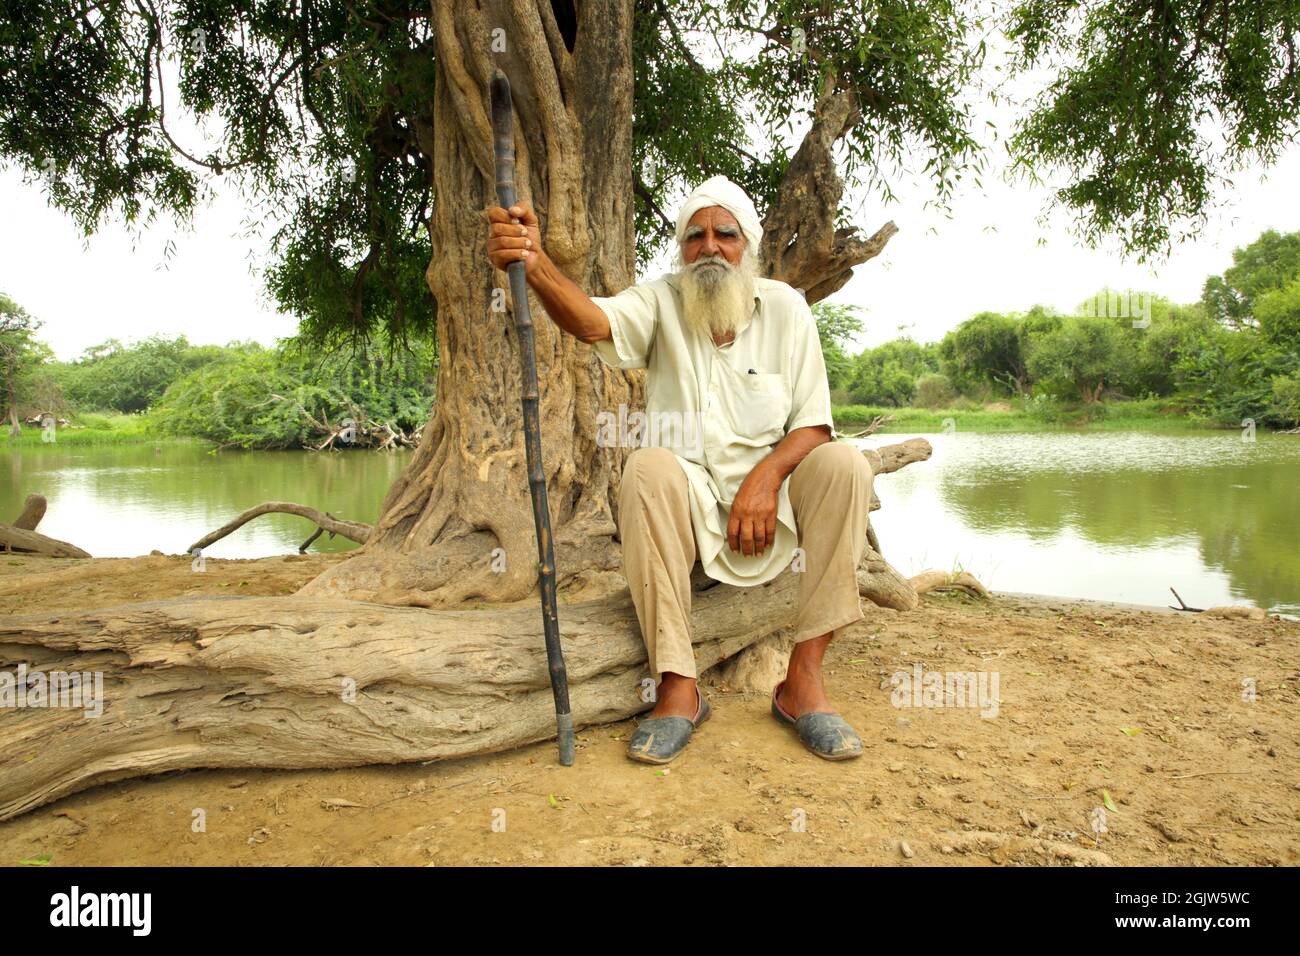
42,860
1107,802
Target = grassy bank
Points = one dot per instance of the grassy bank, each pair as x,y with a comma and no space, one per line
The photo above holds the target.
90,428
1029,416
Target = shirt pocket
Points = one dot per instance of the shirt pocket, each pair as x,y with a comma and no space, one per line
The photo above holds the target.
758,406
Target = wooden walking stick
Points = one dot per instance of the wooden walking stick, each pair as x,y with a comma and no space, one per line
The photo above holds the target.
504,144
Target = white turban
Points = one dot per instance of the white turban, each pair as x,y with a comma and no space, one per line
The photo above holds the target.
721,191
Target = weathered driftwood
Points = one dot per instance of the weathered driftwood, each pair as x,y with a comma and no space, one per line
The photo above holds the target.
352,530
32,513
928,581
264,682
19,539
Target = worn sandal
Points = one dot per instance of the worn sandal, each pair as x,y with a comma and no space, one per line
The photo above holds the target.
660,739
827,735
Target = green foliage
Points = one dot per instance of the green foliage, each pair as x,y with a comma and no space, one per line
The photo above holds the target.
322,114
934,390
1286,399
1133,84
90,428
1270,262
1036,414
1082,355
887,374
21,357
324,118
1278,314
1228,358
1175,331
837,325
1229,377
256,398
984,353
112,376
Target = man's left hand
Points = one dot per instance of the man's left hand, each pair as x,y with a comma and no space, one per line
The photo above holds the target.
751,529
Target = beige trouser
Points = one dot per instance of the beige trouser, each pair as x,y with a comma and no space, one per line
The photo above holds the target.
830,492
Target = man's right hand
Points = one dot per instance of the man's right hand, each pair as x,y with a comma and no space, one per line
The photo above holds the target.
514,236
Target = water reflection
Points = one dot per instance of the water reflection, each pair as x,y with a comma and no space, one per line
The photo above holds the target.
1116,516
130,499
1112,516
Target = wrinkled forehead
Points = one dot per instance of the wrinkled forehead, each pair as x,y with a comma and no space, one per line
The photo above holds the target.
712,215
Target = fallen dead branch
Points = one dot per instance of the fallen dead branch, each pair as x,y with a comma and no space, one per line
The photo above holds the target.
877,423
352,530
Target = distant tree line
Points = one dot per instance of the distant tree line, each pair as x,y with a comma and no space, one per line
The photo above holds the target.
1232,356
242,394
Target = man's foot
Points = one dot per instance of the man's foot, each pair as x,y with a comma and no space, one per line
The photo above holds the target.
828,735
660,739
676,696
800,701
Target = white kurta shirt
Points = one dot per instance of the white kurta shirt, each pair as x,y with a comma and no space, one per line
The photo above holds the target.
721,409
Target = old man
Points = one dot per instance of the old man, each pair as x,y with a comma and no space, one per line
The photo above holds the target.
748,481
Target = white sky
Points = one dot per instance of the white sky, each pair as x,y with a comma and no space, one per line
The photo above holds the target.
992,254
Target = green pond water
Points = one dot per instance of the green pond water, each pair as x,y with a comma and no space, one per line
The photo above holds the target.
1111,516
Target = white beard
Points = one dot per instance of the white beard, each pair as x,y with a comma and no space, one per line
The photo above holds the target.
718,300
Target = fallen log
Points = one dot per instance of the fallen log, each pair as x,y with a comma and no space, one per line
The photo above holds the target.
13,538
352,530
319,682
32,513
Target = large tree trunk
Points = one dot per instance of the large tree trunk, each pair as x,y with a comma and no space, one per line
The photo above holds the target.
464,494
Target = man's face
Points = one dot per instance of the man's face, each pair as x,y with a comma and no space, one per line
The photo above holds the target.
717,275
713,232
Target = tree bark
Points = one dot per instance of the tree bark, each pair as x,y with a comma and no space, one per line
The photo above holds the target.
325,682
464,494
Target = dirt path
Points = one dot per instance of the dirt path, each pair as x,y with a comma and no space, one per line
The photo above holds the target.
1094,703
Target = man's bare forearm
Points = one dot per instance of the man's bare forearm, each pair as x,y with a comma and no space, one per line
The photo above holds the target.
567,305
790,451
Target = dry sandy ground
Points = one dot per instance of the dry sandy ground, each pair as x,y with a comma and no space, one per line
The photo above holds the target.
1097,704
